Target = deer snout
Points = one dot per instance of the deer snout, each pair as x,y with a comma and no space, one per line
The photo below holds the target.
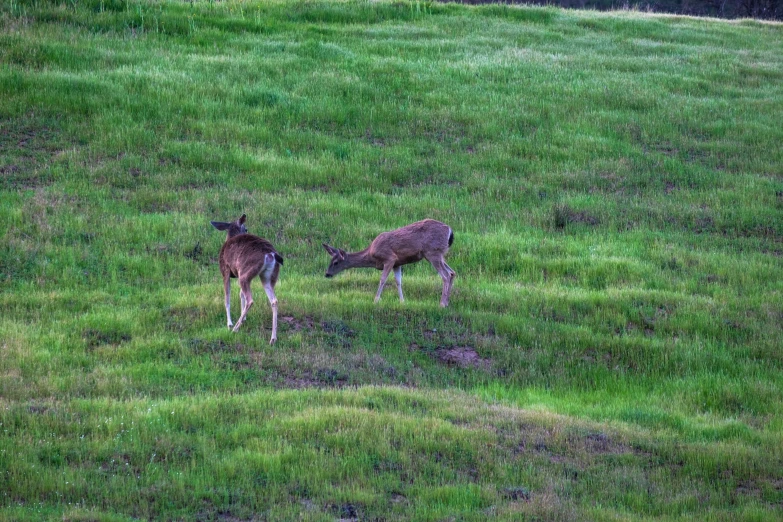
328,274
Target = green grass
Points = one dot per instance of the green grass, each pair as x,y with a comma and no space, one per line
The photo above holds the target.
612,350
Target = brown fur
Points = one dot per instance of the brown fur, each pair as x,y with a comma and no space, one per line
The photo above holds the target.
427,239
245,256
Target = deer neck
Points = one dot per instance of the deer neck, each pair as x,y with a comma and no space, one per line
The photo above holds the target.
359,260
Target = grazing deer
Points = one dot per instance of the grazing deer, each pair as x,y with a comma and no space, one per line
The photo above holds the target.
428,239
246,256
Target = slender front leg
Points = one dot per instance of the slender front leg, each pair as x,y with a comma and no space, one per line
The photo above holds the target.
384,276
227,288
270,293
398,278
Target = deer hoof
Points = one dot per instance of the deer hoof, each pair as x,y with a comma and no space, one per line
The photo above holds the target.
272,340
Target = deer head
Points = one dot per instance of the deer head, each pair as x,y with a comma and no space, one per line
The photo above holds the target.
338,263
234,228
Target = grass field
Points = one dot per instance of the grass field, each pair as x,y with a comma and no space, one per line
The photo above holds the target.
614,181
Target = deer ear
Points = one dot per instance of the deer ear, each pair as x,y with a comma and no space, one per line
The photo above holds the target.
242,219
342,254
328,249
220,225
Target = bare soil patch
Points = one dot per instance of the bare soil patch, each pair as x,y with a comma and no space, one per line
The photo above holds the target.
462,356
27,144
602,444
290,323
564,215
95,338
575,449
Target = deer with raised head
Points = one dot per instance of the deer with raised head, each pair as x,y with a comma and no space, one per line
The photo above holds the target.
427,239
245,256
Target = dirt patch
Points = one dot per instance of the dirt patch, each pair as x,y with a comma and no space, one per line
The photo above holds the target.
748,488
703,224
541,441
338,333
564,215
572,447
337,327
95,338
37,409
462,356
292,324
345,512
601,443
28,144
331,377
765,489
398,498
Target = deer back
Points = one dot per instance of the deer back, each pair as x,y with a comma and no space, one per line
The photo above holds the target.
412,242
245,253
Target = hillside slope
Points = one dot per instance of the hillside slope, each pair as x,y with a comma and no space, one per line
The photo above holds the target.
612,347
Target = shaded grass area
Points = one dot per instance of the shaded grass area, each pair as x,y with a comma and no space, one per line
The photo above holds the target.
612,348
385,452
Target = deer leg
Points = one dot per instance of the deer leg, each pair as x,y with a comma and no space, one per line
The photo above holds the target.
452,277
445,274
270,293
384,276
247,298
227,289
398,278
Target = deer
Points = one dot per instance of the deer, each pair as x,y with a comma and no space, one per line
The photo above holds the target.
427,239
245,256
